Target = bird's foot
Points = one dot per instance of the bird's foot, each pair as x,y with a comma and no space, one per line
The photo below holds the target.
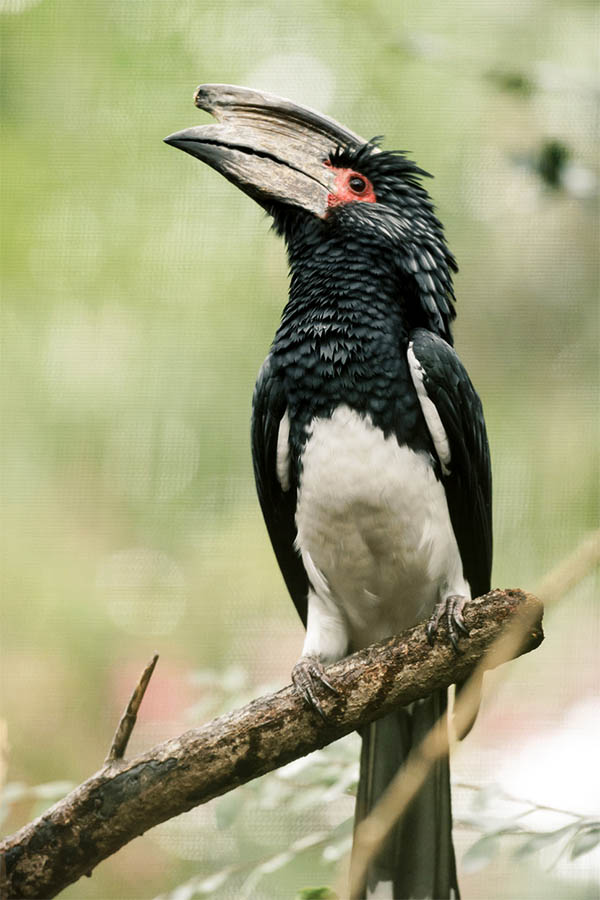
306,675
452,607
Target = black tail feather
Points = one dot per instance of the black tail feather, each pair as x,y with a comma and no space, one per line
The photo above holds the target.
417,860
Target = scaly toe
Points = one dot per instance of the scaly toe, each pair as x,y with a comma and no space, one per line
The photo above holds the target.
434,621
306,675
454,607
451,608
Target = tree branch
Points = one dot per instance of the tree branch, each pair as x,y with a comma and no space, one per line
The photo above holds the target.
129,717
126,798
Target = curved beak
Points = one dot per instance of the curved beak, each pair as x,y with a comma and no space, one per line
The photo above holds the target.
269,147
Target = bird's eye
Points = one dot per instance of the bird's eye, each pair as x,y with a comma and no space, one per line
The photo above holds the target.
357,184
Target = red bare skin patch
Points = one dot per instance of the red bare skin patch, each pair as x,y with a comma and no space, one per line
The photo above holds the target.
350,187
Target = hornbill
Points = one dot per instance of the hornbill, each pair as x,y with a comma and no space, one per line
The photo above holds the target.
368,439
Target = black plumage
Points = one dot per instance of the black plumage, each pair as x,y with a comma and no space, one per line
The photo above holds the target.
468,484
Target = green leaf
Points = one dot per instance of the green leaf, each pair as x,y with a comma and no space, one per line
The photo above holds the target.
308,841
511,80
585,840
11,794
307,798
276,862
333,852
481,853
228,809
14,791
485,798
551,161
52,790
541,840
199,887
274,793
317,893
273,864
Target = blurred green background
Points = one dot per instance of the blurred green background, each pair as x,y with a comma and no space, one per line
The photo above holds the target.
140,295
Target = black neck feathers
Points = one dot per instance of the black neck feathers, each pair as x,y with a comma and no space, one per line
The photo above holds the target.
362,279
343,335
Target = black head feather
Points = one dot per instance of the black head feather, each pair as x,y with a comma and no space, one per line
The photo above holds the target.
399,232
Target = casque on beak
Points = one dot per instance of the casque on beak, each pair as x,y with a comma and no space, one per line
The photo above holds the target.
272,149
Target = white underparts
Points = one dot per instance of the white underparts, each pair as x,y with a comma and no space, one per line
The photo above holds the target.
374,533
430,413
326,629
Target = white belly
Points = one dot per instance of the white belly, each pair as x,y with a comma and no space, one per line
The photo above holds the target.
374,532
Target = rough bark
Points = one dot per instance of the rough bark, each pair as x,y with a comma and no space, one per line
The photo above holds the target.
127,797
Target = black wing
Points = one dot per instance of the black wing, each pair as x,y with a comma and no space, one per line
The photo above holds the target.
466,475
278,506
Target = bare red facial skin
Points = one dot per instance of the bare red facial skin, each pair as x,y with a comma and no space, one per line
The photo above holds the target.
350,187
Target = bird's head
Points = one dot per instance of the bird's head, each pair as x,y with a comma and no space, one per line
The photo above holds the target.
318,179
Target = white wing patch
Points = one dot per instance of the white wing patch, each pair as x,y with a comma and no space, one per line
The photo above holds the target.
283,453
432,417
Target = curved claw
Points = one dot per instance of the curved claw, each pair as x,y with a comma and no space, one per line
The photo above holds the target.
434,621
306,674
452,607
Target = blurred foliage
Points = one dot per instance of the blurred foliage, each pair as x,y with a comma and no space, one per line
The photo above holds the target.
140,294
551,162
41,795
320,893
580,835
511,80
